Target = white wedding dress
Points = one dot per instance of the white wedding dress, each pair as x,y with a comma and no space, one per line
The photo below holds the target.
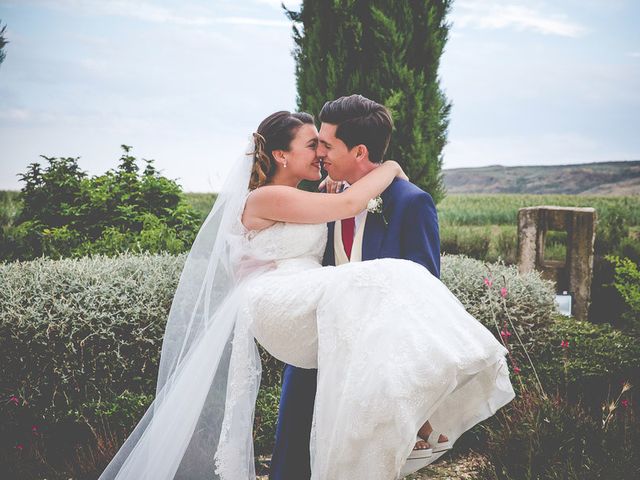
392,345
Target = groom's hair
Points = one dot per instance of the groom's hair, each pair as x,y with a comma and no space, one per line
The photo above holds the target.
360,121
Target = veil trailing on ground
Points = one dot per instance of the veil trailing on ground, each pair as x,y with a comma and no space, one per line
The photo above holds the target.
200,424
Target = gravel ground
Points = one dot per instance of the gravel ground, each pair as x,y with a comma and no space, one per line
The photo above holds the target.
471,466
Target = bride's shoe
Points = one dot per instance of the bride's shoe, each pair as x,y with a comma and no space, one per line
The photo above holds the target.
420,452
436,445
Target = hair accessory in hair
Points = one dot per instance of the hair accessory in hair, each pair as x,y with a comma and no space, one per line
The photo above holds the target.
257,137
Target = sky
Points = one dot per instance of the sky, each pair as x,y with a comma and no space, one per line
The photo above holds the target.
186,82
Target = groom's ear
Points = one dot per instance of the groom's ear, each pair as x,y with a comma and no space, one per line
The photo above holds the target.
361,152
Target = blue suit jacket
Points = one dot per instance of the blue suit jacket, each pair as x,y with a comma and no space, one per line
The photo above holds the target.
412,233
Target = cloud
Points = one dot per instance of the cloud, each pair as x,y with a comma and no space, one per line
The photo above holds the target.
290,4
15,114
188,15
254,21
499,15
633,54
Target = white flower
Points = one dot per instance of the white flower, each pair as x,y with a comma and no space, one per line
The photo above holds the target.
375,205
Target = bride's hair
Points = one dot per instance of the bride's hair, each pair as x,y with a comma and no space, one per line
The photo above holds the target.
274,133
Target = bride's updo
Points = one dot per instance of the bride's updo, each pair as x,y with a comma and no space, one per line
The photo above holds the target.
274,133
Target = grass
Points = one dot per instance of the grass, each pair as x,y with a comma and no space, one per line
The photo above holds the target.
502,209
483,226
454,210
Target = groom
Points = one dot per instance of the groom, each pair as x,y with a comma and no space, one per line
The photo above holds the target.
354,136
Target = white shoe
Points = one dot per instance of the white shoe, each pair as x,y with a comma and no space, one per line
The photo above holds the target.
420,452
437,446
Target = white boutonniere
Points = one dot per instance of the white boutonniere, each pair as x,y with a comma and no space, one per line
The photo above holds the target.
375,206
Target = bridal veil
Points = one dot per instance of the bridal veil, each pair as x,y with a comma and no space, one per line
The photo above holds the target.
200,423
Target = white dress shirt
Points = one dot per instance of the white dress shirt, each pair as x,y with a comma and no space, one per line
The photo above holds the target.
359,217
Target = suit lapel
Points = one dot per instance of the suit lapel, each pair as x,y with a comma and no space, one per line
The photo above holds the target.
375,228
373,236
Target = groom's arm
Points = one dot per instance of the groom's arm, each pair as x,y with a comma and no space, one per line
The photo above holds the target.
421,233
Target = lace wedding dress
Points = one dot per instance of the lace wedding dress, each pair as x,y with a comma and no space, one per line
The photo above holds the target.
392,345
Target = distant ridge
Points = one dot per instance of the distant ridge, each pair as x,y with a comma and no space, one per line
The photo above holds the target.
597,178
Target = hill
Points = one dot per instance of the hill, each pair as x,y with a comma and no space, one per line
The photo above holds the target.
599,178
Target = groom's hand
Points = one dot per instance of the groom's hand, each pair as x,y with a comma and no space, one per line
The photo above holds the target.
331,186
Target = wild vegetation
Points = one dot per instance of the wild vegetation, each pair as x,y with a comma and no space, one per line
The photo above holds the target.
69,416
80,341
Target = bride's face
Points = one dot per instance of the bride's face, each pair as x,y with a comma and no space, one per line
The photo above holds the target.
302,160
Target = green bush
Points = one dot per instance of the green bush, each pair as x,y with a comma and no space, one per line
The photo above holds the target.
80,338
548,438
529,300
73,331
266,417
490,243
608,304
507,245
67,214
468,241
627,284
9,207
598,358
611,229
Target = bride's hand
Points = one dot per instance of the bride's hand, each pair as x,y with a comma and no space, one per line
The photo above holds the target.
332,186
399,172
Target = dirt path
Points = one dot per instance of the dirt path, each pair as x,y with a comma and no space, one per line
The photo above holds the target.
471,466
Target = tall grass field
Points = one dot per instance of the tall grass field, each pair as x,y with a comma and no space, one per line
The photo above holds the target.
483,226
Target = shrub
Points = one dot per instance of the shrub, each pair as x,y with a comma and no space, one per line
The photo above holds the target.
67,214
73,331
9,207
538,437
266,417
80,338
529,298
596,359
607,302
467,241
627,284
611,229
507,244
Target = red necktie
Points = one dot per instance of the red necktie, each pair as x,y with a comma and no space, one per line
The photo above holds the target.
348,226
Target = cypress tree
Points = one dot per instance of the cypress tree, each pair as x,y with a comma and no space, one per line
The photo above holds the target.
388,51
3,42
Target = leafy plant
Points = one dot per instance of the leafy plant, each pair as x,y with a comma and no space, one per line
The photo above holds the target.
627,283
65,213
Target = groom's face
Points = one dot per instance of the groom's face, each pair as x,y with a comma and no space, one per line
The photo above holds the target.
338,160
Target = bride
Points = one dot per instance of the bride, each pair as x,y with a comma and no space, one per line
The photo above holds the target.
392,345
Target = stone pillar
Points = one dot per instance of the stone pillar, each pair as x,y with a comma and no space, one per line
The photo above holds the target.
575,273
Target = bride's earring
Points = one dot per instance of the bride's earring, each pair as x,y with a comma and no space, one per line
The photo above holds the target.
285,164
